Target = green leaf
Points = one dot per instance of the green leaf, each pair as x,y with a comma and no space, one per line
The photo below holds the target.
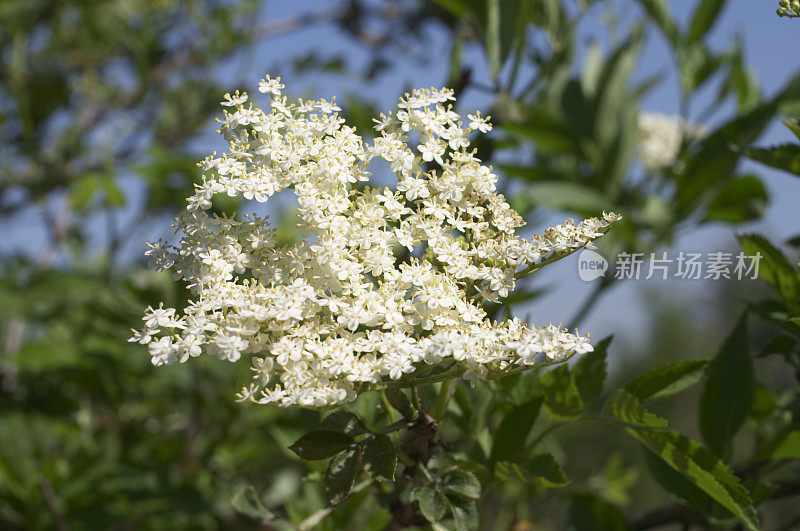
785,446
742,82
706,13
321,444
400,402
728,391
460,8
782,344
764,403
381,456
590,512
546,132
774,268
784,157
432,503
794,126
613,93
505,25
345,422
341,475
509,439
658,11
741,199
574,197
465,513
697,65
719,153
542,470
702,468
560,392
626,407
463,483
546,468
493,47
668,380
676,483
590,371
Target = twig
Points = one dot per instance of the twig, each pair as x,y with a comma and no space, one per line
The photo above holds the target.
590,302
52,504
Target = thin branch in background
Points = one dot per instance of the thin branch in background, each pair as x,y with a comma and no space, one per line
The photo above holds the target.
590,302
52,504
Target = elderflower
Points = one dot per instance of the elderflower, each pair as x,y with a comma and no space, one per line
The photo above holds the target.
660,138
390,283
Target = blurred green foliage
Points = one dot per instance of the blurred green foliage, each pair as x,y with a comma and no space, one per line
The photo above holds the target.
92,437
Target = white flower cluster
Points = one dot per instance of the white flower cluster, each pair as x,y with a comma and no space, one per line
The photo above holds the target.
385,281
660,138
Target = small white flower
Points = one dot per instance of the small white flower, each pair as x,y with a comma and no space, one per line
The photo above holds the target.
270,86
235,100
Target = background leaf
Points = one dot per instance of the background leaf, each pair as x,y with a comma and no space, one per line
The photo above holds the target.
560,393
514,429
320,444
728,391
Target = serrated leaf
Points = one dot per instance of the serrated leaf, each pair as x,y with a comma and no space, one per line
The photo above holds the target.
510,437
668,380
623,406
432,503
463,483
785,157
345,422
381,456
560,392
728,391
341,475
774,268
706,13
546,468
702,468
590,371
321,444
542,469
675,483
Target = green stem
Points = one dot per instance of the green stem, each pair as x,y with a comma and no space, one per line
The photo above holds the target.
458,371
415,400
444,398
547,431
549,260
